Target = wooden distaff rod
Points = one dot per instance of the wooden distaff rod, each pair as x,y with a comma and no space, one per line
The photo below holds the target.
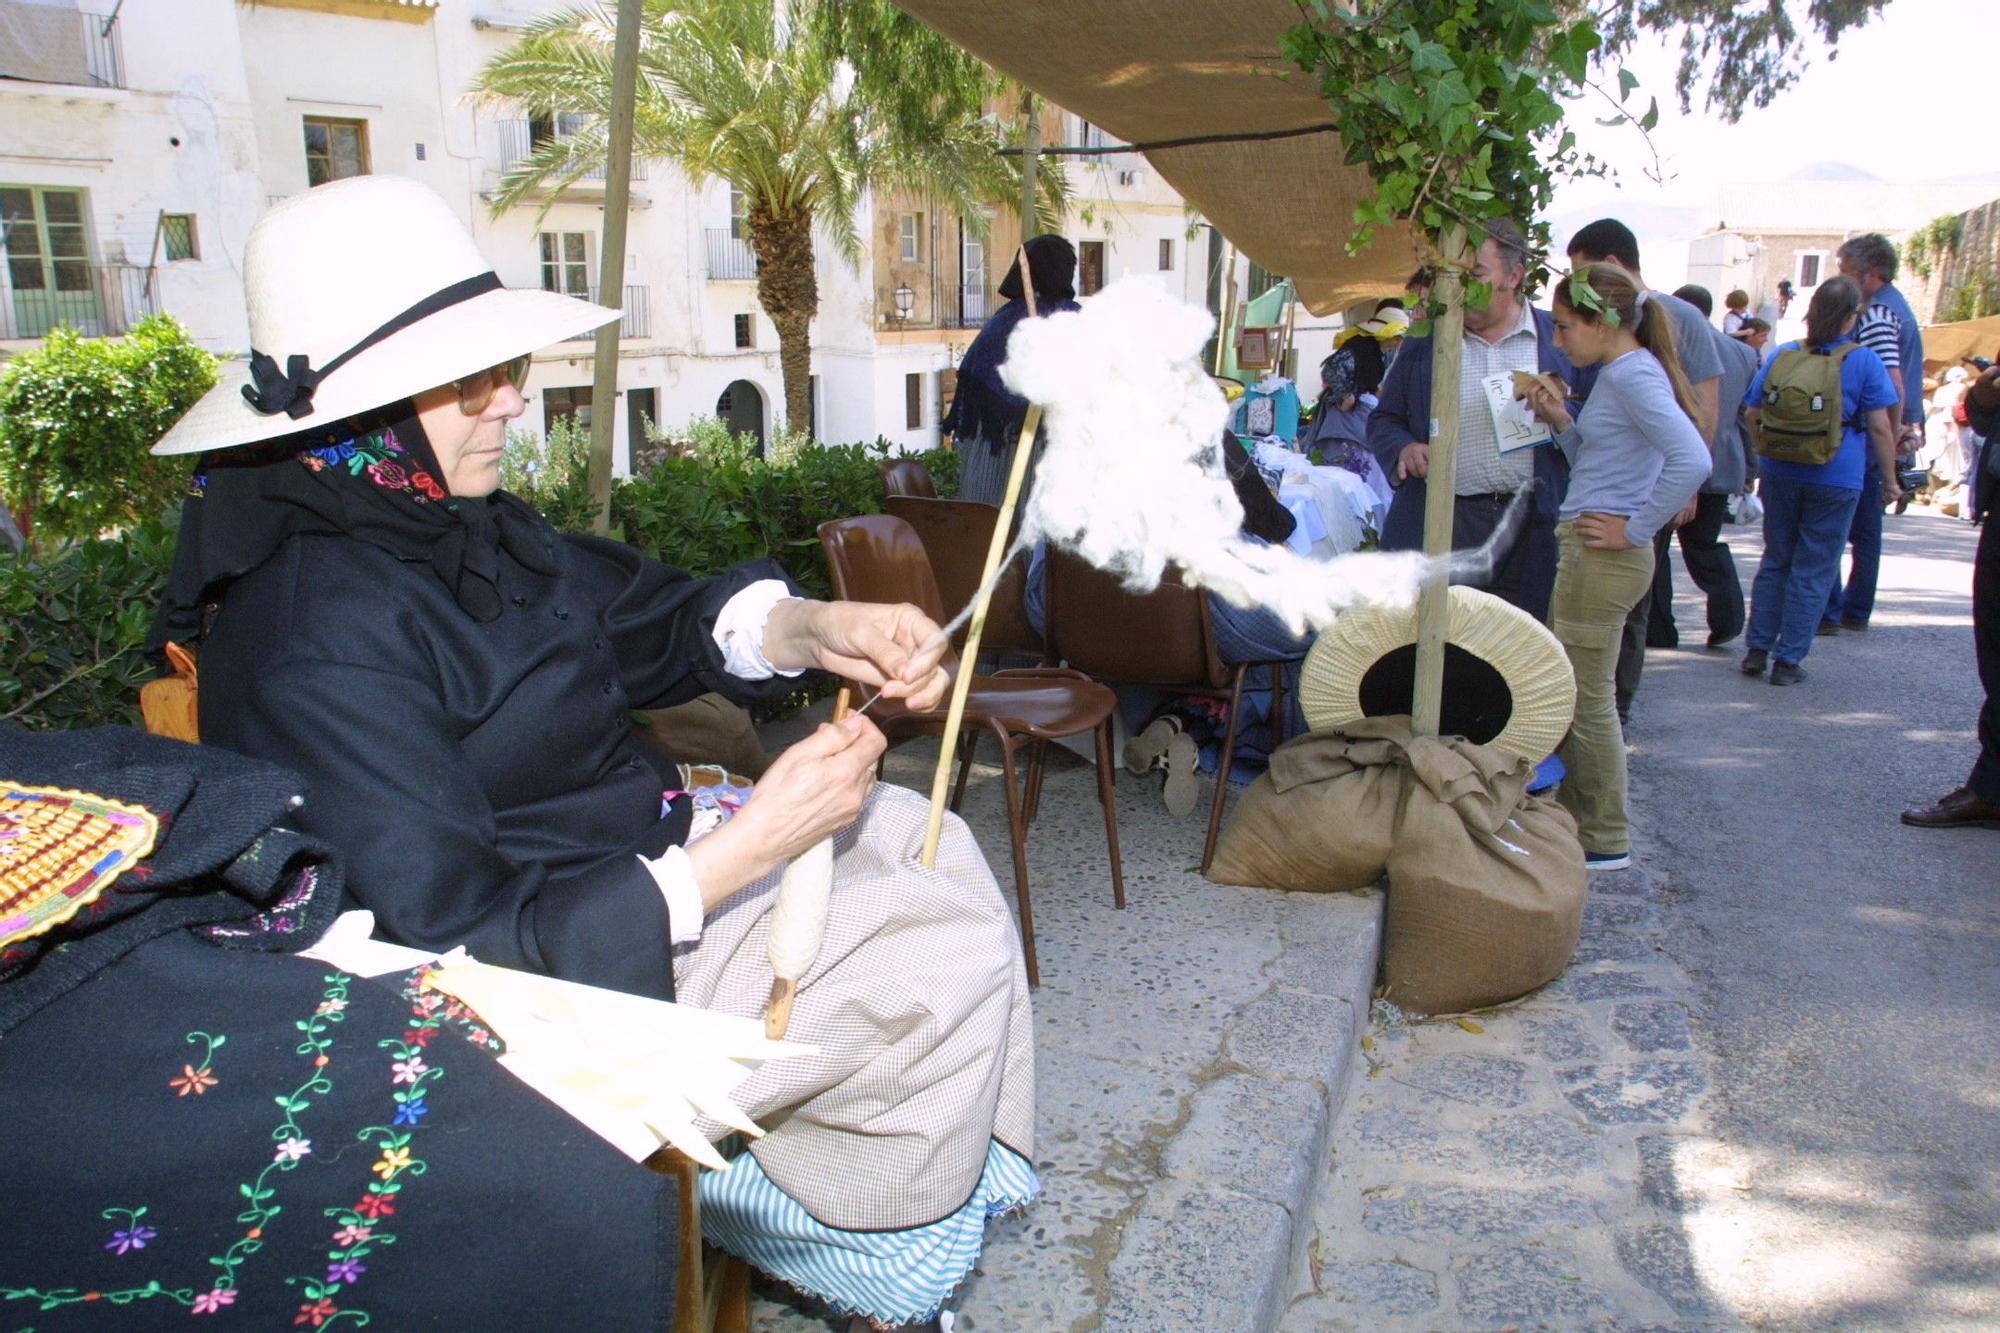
954,717
1434,602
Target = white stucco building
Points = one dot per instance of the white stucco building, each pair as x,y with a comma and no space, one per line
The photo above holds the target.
141,139
1756,235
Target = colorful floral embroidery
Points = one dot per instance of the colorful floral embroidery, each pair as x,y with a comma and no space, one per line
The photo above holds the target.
133,1235
382,458
196,1078
358,1229
61,1296
281,918
292,1146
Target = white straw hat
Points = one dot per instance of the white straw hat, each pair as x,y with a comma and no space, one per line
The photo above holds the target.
361,293
1517,693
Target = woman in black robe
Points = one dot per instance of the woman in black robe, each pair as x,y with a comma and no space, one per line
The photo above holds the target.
453,679
985,417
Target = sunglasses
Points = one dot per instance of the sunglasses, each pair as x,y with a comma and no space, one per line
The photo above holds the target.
475,391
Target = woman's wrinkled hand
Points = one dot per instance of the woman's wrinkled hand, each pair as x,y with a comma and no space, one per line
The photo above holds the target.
814,789
898,649
810,792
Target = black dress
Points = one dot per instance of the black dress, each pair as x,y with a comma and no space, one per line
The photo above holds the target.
481,779
204,1123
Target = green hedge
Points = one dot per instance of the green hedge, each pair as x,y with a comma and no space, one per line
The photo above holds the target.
77,416
71,629
73,623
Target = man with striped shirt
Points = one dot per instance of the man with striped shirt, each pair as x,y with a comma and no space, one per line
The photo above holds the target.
1888,328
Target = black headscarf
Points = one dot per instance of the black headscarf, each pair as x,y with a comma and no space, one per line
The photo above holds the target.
1053,262
373,478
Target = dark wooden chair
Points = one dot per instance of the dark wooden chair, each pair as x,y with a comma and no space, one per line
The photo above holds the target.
1162,638
906,476
712,1289
878,558
955,535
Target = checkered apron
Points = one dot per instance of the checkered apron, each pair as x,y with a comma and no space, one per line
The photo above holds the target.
919,1007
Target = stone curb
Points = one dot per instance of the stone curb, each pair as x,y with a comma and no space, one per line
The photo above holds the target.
1218,1234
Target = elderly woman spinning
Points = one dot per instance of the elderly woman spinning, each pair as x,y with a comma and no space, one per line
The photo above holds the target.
452,679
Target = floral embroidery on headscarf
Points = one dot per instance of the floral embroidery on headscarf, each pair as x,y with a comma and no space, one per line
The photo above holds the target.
382,458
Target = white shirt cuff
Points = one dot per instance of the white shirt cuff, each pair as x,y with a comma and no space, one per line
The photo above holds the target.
674,873
739,630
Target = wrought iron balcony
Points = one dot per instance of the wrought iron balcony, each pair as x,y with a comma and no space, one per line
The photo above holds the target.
636,320
46,44
729,257
976,305
520,138
97,300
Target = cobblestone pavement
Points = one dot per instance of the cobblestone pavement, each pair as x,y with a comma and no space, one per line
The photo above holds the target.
1516,1168
1764,1094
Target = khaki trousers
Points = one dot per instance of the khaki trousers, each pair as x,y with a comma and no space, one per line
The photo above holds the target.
1594,590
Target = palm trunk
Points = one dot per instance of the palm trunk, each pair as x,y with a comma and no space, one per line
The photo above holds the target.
788,290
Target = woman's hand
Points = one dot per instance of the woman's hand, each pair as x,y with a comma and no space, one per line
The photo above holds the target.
1548,406
811,792
1604,532
897,648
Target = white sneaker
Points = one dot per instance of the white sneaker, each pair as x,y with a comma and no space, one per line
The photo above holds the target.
1182,762
1147,748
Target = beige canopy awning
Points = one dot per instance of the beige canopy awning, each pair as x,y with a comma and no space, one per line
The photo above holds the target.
1148,70
1946,343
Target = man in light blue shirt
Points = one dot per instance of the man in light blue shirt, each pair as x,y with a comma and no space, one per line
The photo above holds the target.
1885,317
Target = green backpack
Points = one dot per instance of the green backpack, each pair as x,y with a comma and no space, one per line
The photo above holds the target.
1800,421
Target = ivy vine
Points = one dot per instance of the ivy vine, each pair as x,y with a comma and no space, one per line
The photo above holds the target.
1456,107
1929,244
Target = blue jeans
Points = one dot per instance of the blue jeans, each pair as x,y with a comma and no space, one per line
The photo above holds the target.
1254,634
1856,601
1805,525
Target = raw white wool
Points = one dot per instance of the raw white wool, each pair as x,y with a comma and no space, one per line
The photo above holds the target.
798,917
1131,478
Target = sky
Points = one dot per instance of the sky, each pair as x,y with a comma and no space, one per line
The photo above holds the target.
1908,98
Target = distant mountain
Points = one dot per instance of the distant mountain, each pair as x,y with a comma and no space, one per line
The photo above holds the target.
1832,171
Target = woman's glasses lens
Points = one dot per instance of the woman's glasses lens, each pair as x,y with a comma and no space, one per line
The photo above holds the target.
475,391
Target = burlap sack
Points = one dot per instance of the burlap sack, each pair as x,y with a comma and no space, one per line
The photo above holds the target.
1486,883
1323,819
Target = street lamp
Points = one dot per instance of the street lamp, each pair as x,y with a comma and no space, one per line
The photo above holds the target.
906,301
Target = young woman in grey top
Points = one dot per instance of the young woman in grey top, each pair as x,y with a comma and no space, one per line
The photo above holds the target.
1636,459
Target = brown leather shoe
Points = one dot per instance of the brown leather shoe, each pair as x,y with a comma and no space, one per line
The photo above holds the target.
1964,808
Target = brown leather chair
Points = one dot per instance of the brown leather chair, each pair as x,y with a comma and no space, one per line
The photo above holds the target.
878,558
712,1292
956,534
906,476
1162,638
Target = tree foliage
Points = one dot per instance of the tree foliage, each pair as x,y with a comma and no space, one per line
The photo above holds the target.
77,416
1748,51
1454,106
773,104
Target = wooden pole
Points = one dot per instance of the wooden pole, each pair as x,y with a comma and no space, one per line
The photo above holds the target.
1228,304
1434,602
1031,149
1003,528
611,257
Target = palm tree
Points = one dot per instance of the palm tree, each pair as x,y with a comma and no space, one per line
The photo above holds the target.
766,100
